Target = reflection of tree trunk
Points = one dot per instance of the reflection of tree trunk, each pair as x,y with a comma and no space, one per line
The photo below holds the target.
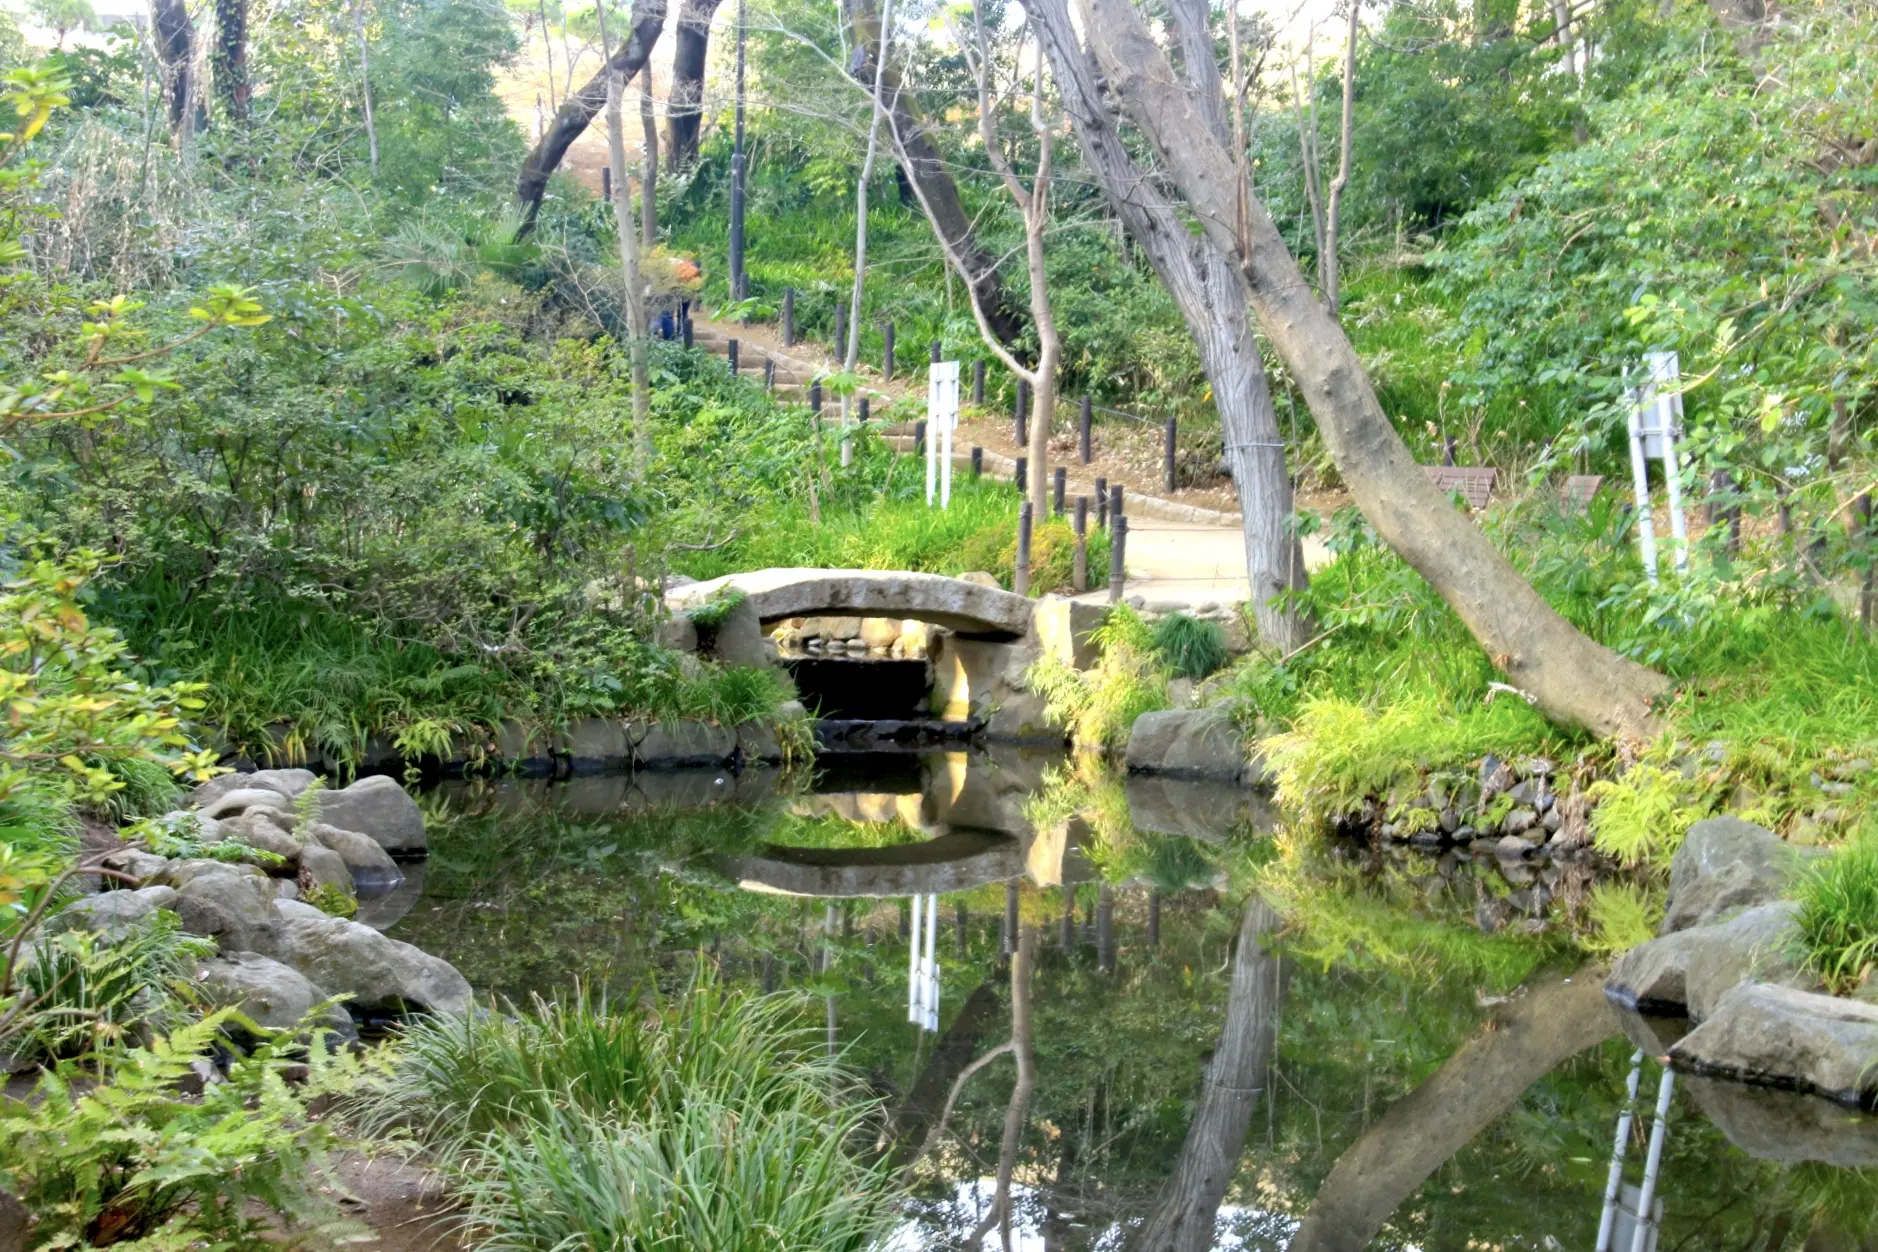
685,105
1182,1219
919,1113
1019,1107
1532,1036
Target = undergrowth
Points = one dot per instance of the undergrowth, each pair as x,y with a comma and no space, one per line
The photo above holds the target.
1838,917
1098,706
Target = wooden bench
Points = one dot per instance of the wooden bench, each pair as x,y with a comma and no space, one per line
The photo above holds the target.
1474,482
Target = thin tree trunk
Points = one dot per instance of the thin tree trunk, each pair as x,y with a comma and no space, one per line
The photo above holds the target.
1307,157
579,108
649,178
1015,1113
1333,212
635,296
365,82
685,105
1211,299
930,182
1527,1040
852,357
547,51
1568,675
231,58
1184,1217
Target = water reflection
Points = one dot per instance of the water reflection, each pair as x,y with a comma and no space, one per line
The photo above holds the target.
1133,1050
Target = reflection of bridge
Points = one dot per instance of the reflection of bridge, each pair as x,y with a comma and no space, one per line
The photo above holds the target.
958,860
775,594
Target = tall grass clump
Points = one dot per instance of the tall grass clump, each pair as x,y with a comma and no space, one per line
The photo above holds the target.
1838,916
710,1119
1190,647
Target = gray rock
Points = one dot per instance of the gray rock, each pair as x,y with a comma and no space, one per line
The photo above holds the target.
1187,743
379,974
377,806
265,991
1772,1125
242,799
286,889
1724,864
680,744
678,633
956,603
260,829
1519,821
371,867
290,909
1753,946
1512,848
1653,978
1065,630
596,742
231,904
111,912
738,639
289,782
138,864
1194,808
1782,1037
385,909
321,866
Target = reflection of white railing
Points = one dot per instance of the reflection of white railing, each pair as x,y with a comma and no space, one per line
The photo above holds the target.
1633,1215
922,977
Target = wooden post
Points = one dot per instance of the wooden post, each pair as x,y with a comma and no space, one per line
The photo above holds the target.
1020,415
769,373
1085,429
789,317
685,327
978,382
1080,574
1061,483
919,438
1118,540
864,411
1102,503
1020,577
978,462
1115,503
1020,475
886,350
1448,447
606,182
1167,459
730,354
935,360
815,397
841,325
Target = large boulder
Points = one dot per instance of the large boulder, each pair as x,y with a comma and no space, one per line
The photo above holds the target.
1188,743
377,806
1686,973
320,866
1754,946
370,866
231,904
289,782
136,864
265,991
112,912
380,975
684,744
982,680
263,830
1723,865
1783,1037
1785,1126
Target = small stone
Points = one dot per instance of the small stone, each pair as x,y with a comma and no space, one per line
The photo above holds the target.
1389,830
1526,792
1519,822
982,579
1552,820
1449,821
1512,848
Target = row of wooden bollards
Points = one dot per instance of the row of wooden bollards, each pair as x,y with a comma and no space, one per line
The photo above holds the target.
1108,514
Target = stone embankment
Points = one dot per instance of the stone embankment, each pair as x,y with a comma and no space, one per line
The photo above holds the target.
259,859
1728,959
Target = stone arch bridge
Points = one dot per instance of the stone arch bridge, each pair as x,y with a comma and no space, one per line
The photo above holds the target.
967,608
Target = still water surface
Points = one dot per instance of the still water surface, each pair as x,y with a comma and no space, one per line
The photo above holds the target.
1401,1053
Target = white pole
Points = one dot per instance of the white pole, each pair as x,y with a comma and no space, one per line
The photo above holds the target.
932,462
1666,380
914,986
1640,478
932,964
1614,1185
1647,1199
945,469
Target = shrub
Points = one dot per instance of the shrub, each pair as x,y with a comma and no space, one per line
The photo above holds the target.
1642,818
1191,648
1838,916
1099,706
1621,915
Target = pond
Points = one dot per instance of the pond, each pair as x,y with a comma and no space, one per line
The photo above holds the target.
1401,1051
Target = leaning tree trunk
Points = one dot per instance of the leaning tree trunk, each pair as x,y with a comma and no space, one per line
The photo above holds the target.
1533,1036
685,105
579,108
176,50
231,58
1183,1219
1571,677
1207,291
933,185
